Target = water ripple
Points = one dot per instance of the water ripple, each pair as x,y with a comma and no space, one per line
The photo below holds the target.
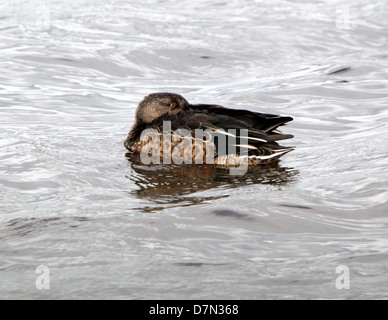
71,76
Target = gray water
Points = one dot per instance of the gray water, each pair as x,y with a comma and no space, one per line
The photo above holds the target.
106,226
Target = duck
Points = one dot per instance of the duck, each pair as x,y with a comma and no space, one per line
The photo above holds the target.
228,135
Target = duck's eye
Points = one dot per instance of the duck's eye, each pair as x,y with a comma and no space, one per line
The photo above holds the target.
172,105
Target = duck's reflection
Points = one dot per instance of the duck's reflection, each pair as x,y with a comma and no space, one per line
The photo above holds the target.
169,183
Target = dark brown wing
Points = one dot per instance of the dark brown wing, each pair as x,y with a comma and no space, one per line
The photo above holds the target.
260,125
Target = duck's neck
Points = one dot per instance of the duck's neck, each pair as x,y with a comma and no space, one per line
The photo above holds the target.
135,132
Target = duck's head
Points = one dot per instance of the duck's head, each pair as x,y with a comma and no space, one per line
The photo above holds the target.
160,104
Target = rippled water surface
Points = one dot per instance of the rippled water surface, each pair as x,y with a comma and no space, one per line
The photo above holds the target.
106,226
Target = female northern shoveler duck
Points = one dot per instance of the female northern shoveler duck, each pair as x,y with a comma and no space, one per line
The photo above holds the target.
248,134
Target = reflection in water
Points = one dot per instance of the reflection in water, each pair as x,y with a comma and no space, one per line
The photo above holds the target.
168,184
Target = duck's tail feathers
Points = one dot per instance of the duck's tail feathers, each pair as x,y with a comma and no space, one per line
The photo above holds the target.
272,123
